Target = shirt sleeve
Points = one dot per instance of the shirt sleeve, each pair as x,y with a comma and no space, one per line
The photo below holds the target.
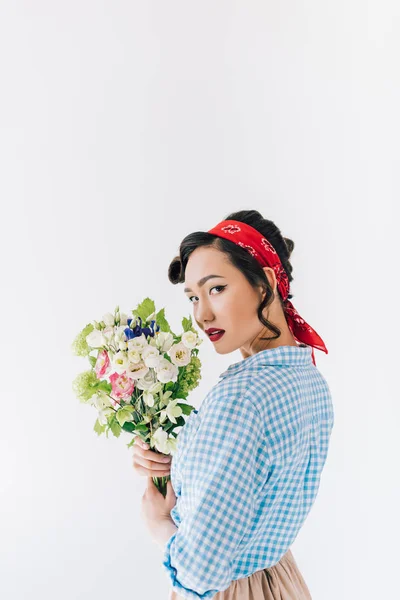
221,477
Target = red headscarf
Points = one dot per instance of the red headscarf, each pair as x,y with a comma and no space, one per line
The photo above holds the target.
258,246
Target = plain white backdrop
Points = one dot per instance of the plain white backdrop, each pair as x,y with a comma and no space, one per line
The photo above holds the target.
124,127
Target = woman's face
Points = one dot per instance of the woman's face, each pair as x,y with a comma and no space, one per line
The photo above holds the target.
226,302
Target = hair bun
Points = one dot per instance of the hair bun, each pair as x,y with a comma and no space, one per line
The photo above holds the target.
289,245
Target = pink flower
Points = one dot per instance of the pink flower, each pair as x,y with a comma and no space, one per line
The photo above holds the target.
102,364
122,386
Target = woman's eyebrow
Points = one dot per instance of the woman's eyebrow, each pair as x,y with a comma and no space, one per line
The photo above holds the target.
202,281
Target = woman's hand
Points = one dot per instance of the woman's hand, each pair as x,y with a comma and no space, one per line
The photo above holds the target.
155,508
148,463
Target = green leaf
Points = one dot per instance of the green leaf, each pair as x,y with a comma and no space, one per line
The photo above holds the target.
115,428
187,323
104,386
123,415
162,321
129,407
99,428
131,442
92,360
144,309
186,408
144,428
129,426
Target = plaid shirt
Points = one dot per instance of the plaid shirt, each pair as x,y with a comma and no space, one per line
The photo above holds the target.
247,470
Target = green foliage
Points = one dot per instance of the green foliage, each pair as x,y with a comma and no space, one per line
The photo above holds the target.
79,345
162,321
144,309
115,426
104,386
186,408
190,377
99,428
187,324
124,414
85,385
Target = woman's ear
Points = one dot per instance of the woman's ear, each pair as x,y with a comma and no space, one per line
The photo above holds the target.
270,273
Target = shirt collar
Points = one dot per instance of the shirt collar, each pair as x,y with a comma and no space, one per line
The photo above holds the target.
281,355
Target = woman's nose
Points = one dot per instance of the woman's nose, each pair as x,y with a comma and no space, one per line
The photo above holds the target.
204,315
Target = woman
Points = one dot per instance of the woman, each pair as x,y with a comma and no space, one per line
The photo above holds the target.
248,464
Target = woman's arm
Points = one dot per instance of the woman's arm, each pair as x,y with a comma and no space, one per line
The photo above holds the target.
165,530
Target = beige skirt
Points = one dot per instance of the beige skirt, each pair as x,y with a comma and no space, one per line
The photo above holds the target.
283,581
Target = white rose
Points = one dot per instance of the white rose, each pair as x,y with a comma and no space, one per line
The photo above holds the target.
151,356
180,355
189,339
136,370
164,340
166,371
108,319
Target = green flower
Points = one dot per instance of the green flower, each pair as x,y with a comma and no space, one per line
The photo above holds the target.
191,375
79,345
85,385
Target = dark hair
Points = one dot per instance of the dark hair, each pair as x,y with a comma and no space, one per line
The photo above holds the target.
240,258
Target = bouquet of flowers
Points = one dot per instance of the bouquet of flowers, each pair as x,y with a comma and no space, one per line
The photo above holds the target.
141,374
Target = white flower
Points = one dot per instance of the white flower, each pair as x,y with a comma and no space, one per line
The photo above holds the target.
133,355
166,371
189,339
119,332
163,443
180,355
108,333
123,319
137,343
119,362
96,339
101,400
150,317
103,414
148,399
135,371
108,319
171,411
156,388
164,340
146,382
151,356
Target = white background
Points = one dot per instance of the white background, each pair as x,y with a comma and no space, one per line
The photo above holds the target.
124,127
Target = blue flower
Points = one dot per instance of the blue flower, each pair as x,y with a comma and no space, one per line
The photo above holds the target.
138,329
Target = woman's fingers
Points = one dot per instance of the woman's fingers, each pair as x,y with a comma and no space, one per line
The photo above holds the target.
149,463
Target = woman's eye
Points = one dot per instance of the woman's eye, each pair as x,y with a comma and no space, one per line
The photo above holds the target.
216,287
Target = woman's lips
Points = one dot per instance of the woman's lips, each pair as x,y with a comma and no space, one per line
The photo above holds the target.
214,337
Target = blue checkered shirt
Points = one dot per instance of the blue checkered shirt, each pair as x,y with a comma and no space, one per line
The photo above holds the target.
247,470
